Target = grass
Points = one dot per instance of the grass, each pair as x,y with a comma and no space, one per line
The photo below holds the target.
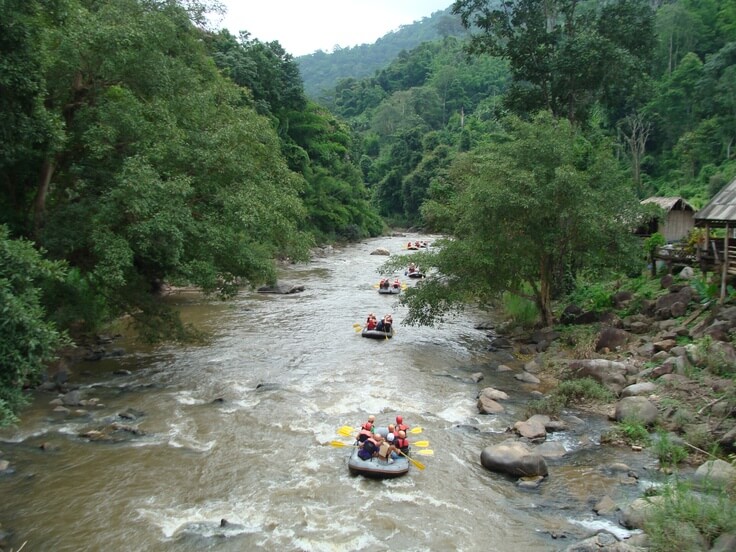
521,311
668,453
688,521
567,393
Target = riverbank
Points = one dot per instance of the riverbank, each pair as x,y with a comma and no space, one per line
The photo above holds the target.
660,365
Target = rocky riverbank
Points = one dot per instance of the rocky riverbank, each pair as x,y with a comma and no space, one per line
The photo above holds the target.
663,371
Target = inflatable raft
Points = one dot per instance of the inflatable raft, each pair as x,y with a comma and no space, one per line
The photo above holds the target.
376,467
391,290
375,334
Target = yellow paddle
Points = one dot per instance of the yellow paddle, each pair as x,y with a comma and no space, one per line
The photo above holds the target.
417,463
341,444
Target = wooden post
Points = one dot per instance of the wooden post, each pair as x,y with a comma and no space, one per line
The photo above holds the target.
724,266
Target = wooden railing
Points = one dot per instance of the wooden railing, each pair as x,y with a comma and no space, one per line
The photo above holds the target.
710,259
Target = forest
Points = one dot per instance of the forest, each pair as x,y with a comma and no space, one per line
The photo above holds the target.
141,148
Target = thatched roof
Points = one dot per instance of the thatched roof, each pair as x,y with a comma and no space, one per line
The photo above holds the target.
721,210
669,203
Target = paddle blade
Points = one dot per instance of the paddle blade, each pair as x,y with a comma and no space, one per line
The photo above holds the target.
417,463
415,430
425,452
338,444
345,431
422,444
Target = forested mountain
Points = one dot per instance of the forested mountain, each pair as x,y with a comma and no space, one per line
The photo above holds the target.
322,70
656,78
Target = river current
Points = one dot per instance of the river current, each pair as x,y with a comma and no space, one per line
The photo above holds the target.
240,429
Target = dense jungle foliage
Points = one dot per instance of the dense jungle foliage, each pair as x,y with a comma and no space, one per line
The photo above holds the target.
139,148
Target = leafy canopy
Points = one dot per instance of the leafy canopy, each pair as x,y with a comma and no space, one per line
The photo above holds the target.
525,210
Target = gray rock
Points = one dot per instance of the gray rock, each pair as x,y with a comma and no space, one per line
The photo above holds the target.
724,543
639,389
602,542
716,473
526,377
514,458
636,514
551,449
605,506
487,405
493,394
636,408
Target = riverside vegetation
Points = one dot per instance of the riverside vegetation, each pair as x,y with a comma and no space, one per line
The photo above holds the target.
683,366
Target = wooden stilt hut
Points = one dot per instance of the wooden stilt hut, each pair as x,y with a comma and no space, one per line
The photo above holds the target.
719,254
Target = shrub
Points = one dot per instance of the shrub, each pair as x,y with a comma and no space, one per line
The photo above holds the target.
634,432
668,453
568,393
685,520
520,310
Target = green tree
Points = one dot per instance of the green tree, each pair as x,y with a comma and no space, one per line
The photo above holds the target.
524,210
166,164
27,339
564,55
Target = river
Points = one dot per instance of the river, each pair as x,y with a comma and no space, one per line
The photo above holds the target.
240,429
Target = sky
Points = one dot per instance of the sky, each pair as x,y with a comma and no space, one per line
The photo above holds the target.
305,26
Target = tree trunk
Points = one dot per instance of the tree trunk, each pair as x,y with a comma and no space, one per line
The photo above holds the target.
544,293
39,203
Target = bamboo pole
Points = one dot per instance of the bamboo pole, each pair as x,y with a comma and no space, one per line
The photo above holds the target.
724,266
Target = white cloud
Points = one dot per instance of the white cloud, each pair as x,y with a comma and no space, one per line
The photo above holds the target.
303,27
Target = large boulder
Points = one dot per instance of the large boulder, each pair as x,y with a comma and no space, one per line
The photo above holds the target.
636,514
638,409
642,389
603,541
281,289
717,474
611,339
609,373
514,458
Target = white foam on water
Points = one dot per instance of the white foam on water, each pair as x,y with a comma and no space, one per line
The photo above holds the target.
460,409
203,520
598,524
180,437
362,541
185,397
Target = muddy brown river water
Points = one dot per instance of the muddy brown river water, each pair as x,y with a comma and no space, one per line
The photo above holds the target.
240,428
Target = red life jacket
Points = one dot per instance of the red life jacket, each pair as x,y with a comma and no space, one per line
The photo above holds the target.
401,443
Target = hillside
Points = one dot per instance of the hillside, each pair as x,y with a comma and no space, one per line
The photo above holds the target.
321,70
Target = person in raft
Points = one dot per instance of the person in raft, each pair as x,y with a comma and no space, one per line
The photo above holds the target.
412,268
385,449
400,425
369,448
371,322
366,431
397,284
385,324
401,442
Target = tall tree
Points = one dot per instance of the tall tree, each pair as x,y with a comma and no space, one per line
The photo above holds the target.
522,211
564,55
